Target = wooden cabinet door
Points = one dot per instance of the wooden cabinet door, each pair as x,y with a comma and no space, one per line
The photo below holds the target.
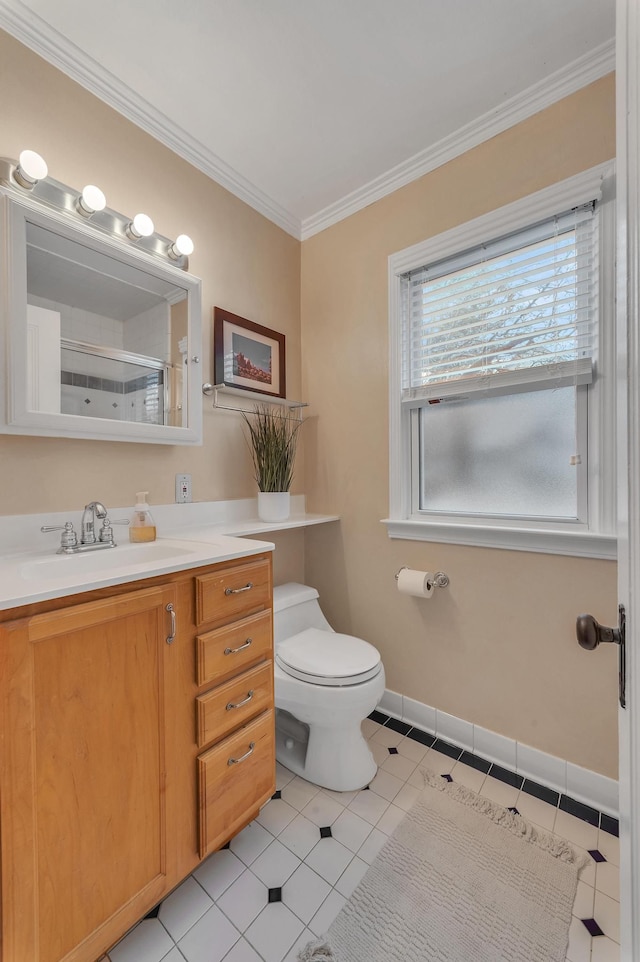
85,796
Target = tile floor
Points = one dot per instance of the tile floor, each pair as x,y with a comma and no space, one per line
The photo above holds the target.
285,877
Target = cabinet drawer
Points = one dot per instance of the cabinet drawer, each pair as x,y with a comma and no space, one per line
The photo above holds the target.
231,649
225,594
233,704
234,778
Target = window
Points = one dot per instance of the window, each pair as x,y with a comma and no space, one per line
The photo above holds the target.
501,377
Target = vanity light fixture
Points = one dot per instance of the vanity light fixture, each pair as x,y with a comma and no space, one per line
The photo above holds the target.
140,226
181,247
90,201
31,168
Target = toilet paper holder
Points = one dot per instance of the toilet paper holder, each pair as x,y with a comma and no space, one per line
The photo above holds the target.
440,579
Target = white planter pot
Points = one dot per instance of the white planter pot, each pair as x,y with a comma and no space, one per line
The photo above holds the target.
274,505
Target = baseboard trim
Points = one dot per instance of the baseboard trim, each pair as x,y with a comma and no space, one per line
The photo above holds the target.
589,788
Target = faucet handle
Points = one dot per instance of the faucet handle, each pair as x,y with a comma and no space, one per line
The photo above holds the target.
106,534
68,538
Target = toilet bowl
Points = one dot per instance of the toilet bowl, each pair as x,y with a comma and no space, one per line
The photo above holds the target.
326,683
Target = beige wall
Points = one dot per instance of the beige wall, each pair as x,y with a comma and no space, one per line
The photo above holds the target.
247,265
498,647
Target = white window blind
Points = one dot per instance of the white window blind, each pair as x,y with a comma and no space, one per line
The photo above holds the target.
517,311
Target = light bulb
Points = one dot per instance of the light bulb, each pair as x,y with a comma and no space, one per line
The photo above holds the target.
140,226
31,168
181,247
91,200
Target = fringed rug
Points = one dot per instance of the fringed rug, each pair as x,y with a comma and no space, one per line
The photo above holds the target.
460,880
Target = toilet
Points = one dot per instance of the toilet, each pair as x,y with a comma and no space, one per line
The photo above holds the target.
326,683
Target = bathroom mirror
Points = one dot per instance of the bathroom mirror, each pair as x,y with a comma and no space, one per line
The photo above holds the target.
102,340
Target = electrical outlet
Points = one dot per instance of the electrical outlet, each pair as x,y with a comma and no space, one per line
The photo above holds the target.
183,488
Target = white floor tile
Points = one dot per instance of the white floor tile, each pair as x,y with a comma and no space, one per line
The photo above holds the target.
210,938
369,805
274,932
409,748
536,811
387,737
575,830
300,836
400,766
584,901
218,872
406,797
605,950
183,908
298,793
468,776
147,942
369,727
372,845
608,879
607,915
350,830
251,841
417,779
579,942
351,876
380,752
327,913
609,845
276,864
322,810
303,939
588,871
386,785
329,859
241,952
499,792
343,798
391,819
305,892
276,815
175,955
244,900
283,776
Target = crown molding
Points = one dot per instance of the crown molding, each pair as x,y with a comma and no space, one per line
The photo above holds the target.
562,83
35,33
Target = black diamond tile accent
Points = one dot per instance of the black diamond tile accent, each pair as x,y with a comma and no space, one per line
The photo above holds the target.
325,832
398,726
366,788
609,825
447,778
504,775
579,810
542,792
153,914
393,751
481,764
377,716
446,749
592,927
513,809
228,845
417,735
275,895
596,855
276,795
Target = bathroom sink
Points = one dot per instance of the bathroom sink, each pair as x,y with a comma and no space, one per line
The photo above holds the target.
104,560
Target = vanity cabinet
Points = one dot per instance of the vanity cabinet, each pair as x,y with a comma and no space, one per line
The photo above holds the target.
116,738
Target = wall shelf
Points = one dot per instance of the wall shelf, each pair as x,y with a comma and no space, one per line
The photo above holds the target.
215,390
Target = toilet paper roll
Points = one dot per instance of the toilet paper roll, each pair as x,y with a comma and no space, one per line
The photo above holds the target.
419,584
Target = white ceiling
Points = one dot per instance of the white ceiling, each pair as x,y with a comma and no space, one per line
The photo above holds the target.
310,109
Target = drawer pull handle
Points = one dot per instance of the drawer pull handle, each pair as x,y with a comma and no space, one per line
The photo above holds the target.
236,591
234,651
172,635
236,761
239,704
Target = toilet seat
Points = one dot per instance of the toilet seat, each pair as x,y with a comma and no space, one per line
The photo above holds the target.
328,658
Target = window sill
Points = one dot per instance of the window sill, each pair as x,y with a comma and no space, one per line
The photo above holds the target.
574,543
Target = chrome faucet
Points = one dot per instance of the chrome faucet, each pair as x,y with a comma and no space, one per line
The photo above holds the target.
93,510
69,543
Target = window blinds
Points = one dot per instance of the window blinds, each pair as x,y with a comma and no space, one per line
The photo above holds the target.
517,311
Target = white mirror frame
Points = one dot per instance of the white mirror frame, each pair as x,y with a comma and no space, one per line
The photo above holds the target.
15,417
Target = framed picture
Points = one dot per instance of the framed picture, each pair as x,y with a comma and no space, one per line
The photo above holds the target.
247,355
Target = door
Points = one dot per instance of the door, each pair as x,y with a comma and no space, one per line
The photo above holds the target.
84,774
628,460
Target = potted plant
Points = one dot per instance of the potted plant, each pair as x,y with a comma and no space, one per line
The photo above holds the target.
273,439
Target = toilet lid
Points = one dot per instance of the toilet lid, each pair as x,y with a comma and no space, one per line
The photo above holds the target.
328,658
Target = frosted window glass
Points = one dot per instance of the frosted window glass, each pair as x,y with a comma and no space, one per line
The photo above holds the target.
503,455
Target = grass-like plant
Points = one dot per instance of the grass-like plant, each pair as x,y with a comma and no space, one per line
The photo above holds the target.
273,440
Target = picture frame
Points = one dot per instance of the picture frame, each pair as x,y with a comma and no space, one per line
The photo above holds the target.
247,355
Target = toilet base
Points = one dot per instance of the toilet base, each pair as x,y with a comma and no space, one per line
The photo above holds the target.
335,758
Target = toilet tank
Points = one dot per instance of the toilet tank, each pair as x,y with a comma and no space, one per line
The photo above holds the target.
296,607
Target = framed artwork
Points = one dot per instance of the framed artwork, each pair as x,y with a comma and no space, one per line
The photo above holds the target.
247,355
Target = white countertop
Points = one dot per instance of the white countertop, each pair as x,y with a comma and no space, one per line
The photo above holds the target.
190,536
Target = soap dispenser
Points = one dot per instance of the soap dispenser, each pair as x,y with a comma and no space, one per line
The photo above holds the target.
142,527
